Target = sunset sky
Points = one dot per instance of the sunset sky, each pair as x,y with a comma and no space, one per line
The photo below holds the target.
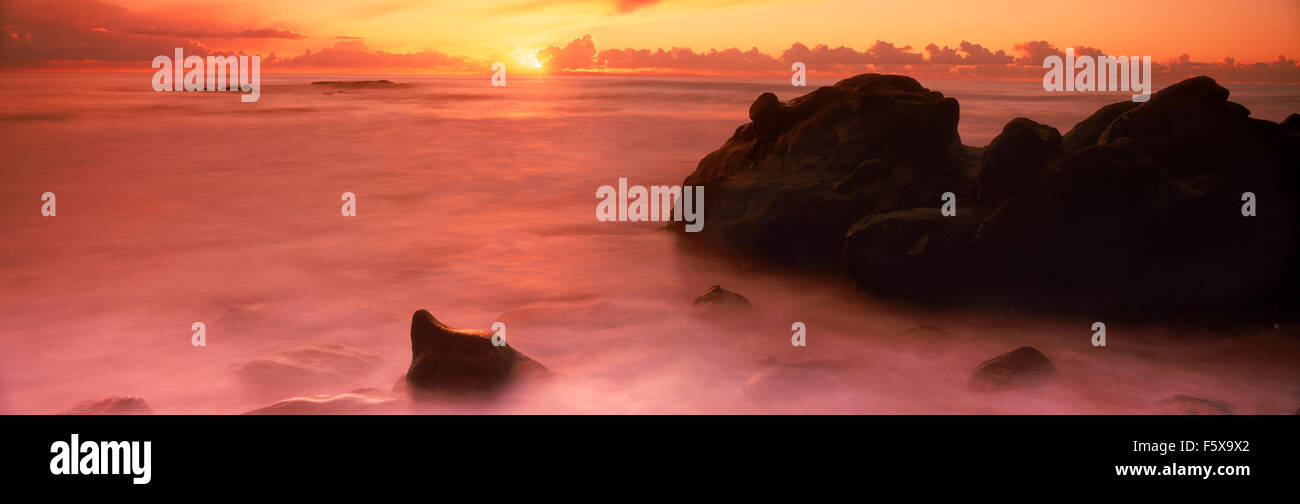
450,35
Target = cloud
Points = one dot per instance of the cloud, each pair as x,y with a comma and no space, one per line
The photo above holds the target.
1034,52
683,58
39,34
577,55
967,53
353,54
260,33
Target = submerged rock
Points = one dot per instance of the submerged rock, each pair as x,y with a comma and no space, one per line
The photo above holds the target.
447,361
790,382
922,335
112,405
1187,405
309,366
718,298
360,401
1023,367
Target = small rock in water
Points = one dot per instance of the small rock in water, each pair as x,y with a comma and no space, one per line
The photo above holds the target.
1021,368
461,362
113,405
717,296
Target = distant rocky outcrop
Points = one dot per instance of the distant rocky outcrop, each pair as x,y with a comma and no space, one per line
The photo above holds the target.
1023,367
1135,209
1187,405
112,405
461,362
365,84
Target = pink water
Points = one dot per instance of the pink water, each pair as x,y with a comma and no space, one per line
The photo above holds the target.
477,203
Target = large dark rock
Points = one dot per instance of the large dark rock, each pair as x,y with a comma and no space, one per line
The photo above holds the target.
461,362
1137,209
1086,133
788,185
1015,158
1024,367
911,254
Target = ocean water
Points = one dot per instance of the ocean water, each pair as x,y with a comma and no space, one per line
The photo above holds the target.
477,203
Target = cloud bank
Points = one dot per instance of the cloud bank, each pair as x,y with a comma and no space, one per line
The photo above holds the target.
91,34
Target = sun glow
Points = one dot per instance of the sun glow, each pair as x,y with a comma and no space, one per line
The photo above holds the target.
528,59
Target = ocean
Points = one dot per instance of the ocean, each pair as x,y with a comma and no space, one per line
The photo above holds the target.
477,203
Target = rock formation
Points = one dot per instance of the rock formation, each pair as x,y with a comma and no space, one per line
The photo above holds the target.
1138,208
461,362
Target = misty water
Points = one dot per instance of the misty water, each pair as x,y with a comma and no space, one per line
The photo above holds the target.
477,203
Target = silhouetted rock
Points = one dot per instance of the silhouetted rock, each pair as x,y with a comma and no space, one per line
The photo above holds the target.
1137,209
1086,133
1015,158
1188,405
1021,368
113,405
911,253
767,113
447,361
788,185
718,297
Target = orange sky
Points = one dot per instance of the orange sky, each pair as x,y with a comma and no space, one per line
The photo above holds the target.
513,30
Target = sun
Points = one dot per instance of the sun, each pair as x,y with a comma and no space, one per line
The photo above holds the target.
528,59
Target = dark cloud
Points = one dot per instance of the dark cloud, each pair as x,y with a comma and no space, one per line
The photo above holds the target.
37,34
